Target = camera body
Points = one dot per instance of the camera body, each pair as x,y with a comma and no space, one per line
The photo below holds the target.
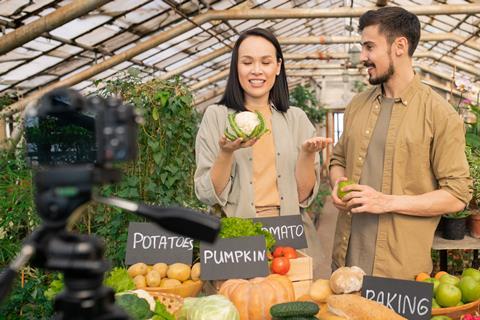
66,129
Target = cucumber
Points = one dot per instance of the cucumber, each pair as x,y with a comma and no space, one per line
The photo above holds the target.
233,124
294,309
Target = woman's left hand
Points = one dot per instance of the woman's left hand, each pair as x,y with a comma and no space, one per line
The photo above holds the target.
315,144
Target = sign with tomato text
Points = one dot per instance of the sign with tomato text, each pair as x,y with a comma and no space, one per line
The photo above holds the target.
150,244
287,230
235,258
410,299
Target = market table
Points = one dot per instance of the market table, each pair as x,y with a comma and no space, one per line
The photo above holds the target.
443,245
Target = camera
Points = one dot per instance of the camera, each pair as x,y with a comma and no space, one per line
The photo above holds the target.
67,129
72,143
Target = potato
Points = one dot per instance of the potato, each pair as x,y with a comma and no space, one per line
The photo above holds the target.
195,273
149,268
161,268
140,281
169,283
187,282
153,278
179,271
137,269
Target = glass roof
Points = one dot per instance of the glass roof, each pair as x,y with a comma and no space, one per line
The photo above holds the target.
120,25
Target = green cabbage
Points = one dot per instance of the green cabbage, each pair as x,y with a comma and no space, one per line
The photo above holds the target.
208,308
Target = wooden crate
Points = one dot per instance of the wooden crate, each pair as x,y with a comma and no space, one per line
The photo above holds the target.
301,287
301,273
301,268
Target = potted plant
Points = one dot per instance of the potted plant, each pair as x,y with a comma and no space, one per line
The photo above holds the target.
473,157
455,225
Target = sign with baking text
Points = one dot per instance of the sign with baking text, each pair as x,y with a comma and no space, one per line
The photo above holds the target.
287,230
410,299
149,243
234,258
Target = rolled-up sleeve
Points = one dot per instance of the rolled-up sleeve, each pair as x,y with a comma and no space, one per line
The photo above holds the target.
448,157
206,151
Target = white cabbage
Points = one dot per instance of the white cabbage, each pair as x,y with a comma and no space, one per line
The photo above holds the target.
212,307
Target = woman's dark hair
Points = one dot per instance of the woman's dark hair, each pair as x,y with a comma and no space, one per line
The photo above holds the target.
394,22
233,96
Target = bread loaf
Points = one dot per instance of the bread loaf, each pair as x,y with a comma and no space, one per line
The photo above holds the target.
347,280
354,307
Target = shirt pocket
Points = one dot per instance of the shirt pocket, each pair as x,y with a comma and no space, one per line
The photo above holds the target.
412,166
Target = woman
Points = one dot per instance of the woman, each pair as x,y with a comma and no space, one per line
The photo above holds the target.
277,174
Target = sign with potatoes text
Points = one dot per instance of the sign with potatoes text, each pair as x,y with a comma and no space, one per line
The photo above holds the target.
150,244
410,299
287,230
235,258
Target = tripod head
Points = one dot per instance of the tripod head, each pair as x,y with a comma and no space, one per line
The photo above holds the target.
73,143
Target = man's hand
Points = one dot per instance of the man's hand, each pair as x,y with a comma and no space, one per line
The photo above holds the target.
365,199
228,146
315,144
337,202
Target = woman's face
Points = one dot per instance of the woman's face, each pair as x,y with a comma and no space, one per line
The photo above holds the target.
257,69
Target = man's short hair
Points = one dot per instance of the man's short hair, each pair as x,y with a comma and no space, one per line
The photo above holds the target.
394,22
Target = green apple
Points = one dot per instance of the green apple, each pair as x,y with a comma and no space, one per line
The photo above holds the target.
472,272
341,184
470,289
435,304
448,278
435,283
448,295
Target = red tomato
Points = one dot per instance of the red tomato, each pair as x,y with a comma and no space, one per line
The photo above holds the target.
289,252
280,265
278,252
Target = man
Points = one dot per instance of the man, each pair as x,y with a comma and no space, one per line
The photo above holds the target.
403,146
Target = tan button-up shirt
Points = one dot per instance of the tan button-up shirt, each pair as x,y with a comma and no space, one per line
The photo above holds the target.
424,151
289,130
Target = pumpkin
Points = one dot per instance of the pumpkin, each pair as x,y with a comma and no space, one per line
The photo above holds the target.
253,298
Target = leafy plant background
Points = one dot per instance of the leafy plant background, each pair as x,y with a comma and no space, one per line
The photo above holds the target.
161,175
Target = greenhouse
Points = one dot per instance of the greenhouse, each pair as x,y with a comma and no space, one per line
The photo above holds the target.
229,159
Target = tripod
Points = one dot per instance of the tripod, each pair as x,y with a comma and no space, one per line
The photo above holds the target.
62,193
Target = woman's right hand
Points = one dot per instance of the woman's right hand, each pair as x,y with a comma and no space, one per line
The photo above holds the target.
230,146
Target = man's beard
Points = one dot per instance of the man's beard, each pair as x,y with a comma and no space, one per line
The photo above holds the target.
384,77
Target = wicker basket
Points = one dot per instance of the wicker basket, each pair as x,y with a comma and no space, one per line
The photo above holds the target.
172,302
184,290
456,312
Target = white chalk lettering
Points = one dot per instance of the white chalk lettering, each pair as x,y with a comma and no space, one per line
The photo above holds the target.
402,304
161,242
137,238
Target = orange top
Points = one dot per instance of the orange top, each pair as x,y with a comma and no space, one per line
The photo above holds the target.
265,188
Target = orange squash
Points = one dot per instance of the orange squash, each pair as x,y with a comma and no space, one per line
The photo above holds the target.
253,298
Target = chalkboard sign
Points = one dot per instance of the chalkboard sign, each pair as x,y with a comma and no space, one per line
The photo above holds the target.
235,258
287,230
411,299
149,243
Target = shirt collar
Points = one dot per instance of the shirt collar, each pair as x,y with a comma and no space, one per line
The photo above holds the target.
406,95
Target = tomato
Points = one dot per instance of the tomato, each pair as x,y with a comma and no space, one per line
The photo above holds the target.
280,265
278,252
289,252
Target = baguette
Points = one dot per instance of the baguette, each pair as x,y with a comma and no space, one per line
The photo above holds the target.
354,307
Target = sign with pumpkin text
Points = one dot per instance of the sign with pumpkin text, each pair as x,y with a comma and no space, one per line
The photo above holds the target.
410,299
234,258
287,230
149,243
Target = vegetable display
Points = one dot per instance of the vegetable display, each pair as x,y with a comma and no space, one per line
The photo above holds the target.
246,125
